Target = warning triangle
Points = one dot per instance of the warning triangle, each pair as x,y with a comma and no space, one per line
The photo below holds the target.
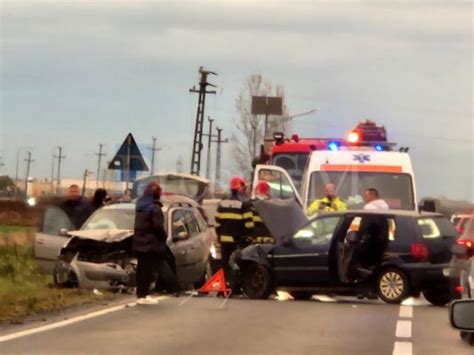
216,284
128,157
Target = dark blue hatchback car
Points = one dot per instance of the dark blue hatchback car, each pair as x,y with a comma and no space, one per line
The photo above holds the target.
389,254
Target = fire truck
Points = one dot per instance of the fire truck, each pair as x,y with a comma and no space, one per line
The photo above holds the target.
300,167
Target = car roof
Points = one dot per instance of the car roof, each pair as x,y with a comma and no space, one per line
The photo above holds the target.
168,201
402,213
181,175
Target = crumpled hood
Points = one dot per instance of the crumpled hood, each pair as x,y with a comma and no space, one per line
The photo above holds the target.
103,235
283,218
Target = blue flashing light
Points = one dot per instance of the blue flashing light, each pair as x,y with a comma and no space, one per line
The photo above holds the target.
379,147
333,146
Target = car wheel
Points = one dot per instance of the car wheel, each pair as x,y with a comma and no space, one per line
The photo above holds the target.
64,275
207,275
301,295
393,285
437,297
468,337
257,282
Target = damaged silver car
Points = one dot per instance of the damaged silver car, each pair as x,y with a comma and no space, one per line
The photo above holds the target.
99,255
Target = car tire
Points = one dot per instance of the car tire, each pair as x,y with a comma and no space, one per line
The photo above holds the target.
207,275
467,337
64,276
437,297
393,285
301,295
257,282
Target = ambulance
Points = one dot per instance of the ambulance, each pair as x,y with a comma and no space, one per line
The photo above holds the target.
362,160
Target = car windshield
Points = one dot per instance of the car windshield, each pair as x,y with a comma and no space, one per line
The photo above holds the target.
171,184
111,219
395,189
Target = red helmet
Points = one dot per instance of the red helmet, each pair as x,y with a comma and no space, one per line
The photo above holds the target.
262,188
237,183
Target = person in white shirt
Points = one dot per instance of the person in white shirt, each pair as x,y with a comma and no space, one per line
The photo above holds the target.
373,200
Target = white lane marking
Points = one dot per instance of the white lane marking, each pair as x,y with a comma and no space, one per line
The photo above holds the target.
65,322
406,312
403,329
402,348
185,300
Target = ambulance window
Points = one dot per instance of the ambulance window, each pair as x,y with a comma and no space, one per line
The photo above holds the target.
280,186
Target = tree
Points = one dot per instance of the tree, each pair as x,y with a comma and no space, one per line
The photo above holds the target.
7,185
250,128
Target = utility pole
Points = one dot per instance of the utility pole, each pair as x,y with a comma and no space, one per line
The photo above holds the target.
60,157
84,182
209,141
153,150
99,155
219,141
28,163
197,144
52,171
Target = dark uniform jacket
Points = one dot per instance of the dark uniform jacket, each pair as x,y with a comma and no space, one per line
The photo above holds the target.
150,234
234,221
78,211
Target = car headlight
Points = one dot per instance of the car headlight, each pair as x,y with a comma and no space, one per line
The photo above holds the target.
31,201
213,251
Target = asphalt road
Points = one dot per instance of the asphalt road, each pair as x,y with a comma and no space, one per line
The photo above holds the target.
209,325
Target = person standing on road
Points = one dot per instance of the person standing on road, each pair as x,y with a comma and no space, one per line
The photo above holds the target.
149,242
234,225
373,200
329,203
261,234
99,199
76,207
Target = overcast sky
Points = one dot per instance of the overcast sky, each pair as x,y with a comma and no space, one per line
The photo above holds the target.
86,72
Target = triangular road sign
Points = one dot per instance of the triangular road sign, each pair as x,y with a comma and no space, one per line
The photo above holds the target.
128,157
216,284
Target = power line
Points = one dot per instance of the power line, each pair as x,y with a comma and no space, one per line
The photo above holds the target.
28,163
153,150
59,157
99,160
198,130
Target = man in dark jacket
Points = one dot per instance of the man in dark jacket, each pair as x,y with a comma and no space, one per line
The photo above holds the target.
149,242
76,208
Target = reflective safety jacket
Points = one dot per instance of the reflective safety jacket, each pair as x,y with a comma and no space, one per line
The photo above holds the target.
234,221
261,234
326,205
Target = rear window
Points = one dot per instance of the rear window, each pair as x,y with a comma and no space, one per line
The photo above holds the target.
432,228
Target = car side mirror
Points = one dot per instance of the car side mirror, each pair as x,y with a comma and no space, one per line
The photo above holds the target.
180,236
286,242
63,232
461,314
353,237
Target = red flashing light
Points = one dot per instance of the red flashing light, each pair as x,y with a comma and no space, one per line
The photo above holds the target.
467,243
353,137
459,289
419,251
295,138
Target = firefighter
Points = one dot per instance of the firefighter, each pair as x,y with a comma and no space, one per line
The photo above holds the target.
329,203
261,234
234,225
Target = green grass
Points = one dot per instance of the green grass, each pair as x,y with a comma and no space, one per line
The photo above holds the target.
11,229
25,292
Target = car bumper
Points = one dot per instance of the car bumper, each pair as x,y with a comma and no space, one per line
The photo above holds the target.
100,276
428,276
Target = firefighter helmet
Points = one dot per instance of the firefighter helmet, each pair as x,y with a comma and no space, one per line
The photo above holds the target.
262,189
237,183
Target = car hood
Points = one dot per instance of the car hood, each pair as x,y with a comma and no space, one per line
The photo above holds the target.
283,218
103,235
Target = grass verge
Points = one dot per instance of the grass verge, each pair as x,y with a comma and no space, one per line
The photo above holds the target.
24,292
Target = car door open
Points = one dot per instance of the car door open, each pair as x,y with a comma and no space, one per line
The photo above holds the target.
304,260
51,238
280,182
